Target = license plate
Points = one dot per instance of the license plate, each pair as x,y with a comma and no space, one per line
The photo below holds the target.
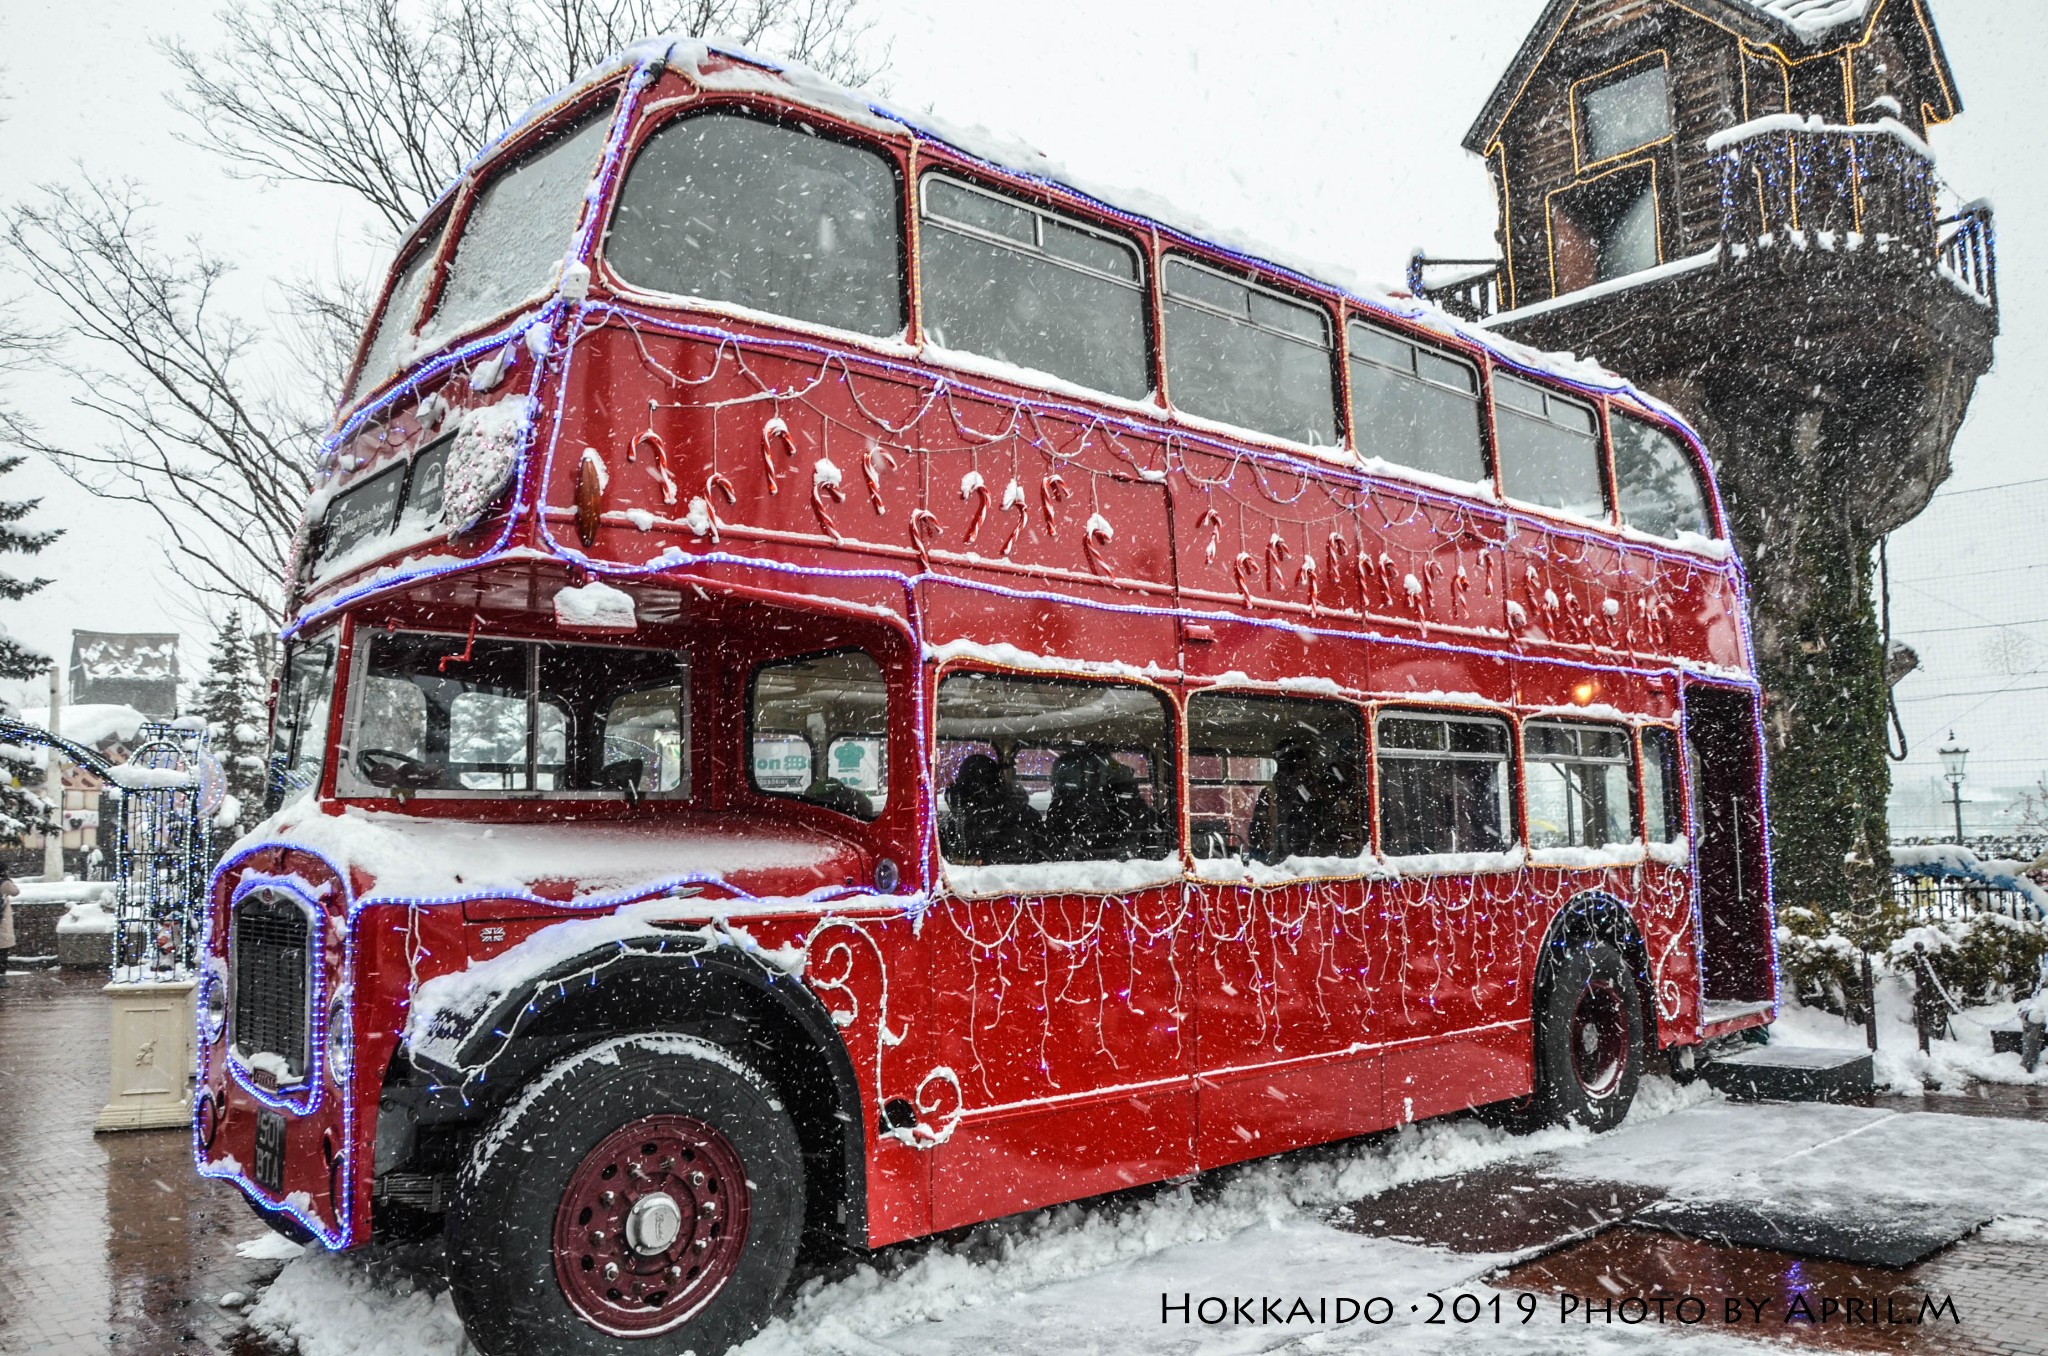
270,1152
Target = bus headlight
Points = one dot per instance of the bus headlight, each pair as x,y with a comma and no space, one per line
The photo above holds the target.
341,1039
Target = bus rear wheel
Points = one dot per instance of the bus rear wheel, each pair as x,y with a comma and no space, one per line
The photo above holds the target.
1589,1038
645,1196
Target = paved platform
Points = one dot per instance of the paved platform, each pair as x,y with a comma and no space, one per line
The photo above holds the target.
109,1243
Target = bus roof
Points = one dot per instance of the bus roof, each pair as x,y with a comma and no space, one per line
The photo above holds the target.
727,67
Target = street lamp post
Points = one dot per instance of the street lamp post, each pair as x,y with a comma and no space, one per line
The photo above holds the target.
1952,758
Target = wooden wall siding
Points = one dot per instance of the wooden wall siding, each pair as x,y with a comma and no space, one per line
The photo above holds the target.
1716,82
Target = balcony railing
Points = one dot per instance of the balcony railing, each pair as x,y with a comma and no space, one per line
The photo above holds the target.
1796,185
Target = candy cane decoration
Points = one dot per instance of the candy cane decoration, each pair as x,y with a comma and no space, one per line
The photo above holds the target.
825,484
1051,492
1094,540
661,466
1390,584
1305,578
772,432
1276,557
1338,549
871,466
972,486
922,525
1244,570
1013,498
716,486
1213,521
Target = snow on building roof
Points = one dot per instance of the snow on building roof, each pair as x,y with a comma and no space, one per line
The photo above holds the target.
98,656
90,723
1814,19
718,65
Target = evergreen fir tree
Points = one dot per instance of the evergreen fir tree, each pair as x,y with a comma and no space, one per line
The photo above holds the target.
21,809
232,707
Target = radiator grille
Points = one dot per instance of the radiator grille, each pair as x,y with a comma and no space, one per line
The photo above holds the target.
271,976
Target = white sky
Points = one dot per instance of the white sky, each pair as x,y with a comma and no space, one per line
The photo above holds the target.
1330,131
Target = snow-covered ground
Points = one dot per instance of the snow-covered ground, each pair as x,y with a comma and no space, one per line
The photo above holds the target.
1092,1277
1950,1063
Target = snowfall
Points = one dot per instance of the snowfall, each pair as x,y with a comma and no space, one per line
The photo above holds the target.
1095,1277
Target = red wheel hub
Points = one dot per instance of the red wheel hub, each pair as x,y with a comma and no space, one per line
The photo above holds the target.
651,1225
1599,1038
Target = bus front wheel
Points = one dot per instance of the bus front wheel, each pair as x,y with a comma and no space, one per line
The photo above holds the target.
643,1195
1589,1038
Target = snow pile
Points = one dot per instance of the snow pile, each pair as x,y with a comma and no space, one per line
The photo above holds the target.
91,915
596,606
329,1305
1951,1061
1814,19
90,723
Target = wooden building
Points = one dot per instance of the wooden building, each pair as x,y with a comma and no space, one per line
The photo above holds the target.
1734,203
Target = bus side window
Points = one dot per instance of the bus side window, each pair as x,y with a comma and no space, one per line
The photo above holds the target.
1549,448
1663,806
1274,777
1580,790
1048,770
731,208
1659,489
818,728
1414,406
1246,356
1445,784
1011,281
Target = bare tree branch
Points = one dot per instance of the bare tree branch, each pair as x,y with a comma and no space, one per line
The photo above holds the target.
389,100
225,468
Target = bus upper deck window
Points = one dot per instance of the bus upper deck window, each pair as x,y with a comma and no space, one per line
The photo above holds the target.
1663,800
1580,790
1654,478
1549,448
1275,777
1011,281
819,727
393,339
1052,770
1444,784
734,209
518,230
1246,356
1415,406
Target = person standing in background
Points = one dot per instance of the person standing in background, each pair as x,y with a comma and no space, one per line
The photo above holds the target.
8,890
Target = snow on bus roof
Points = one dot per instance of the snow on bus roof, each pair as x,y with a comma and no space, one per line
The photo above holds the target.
729,67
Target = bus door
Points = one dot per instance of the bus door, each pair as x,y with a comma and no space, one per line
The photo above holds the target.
1059,943
1731,866
1277,824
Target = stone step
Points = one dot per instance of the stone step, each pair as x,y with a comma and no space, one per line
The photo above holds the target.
1792,1073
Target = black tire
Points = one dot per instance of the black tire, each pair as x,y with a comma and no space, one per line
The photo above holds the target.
568,1124
1589,1037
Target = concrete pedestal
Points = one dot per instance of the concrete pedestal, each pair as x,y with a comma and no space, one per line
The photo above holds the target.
151,1046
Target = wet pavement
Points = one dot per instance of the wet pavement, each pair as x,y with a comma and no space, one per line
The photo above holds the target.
107,1242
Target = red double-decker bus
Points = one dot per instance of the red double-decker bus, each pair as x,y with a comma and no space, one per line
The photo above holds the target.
840,686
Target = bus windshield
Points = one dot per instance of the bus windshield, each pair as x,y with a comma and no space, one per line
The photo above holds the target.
447,713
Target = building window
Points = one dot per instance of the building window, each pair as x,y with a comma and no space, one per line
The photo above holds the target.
1242,355
1604,229
1010,281
1549,448
1619,116
1414,406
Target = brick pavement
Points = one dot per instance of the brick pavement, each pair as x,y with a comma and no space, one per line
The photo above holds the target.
108,1243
